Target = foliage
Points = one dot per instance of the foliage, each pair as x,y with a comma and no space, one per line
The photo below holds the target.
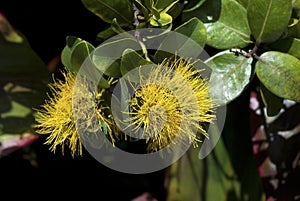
262,35
23,86
250,43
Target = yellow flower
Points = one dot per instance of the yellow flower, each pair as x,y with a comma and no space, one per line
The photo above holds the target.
172,104
56,116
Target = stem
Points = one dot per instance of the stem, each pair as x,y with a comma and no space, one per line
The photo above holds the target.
144,49
136,14
252,53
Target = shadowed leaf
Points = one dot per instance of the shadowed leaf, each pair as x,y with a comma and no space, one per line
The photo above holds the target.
122,10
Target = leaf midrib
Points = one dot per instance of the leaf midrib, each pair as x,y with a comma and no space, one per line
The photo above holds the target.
265,21
232,70
234,30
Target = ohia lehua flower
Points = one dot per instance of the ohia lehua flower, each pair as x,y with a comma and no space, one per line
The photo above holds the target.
56,116
171,105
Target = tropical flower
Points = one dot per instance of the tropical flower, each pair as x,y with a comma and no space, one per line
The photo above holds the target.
171,105
56,115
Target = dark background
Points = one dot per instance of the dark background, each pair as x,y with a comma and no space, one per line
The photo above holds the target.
35,172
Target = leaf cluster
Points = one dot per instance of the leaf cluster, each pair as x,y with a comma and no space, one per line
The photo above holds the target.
250,40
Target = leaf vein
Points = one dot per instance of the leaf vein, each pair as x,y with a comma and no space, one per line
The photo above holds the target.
235,30
265,21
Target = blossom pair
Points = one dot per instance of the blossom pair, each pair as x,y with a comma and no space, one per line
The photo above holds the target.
171,105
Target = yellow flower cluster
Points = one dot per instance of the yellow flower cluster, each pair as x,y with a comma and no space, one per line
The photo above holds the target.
170,106
56,116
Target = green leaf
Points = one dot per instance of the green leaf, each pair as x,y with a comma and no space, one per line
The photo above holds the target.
163,20
206,11
243,3
131,60
287,45
75,53
23,85
114,67
280,73
173,7
122,10
176,11
294,31
293,22
5,102
194,29
169,6
142,7
191,35
17,103
190,178
296,4
105,34
268,19
231,29
80,52
9,33
194,7
18,115
236,135
162,4
230,75
71,42
154,12
107,57
116,26
18,62
272,102
26,97
103,83
147,3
